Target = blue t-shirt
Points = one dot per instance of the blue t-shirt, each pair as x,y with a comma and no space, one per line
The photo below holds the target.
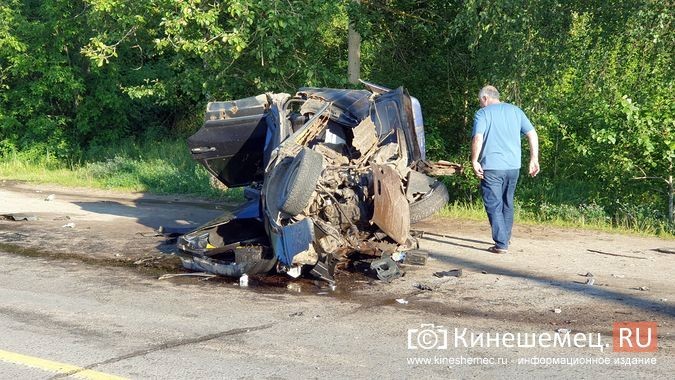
501,125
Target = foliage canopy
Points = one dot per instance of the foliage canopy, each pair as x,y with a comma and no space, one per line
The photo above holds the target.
595,77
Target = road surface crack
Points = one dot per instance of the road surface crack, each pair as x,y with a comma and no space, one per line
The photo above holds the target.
169,345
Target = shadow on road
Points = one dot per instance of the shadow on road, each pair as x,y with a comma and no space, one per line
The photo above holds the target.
154,213
427,235
457,244
585,290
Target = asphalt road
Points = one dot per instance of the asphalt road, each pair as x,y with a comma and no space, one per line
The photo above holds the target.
73,304
106,322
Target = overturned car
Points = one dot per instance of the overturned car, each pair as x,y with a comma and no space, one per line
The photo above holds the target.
329,175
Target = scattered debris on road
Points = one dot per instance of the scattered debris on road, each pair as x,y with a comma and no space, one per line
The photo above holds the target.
421,286
192,274
50,198
415,257
402,301
150,261
386,269
449,273
68,225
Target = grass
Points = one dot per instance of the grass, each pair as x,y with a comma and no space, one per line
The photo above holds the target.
160,168
567,203
563,216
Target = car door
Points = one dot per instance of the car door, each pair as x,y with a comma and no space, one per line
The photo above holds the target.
230,144
393,117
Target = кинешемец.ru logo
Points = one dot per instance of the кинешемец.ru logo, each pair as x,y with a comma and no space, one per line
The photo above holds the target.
634,337
627,337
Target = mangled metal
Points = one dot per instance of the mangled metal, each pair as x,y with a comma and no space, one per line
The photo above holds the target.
391,211
334,174
439,168
365,138
385,269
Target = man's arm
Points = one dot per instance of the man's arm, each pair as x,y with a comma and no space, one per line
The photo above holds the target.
533,139
476,146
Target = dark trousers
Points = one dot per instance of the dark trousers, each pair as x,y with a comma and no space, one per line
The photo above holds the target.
498,188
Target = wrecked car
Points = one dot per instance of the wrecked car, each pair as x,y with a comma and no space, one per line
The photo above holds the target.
329,175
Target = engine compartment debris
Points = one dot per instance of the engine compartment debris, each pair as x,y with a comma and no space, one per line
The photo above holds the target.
332,176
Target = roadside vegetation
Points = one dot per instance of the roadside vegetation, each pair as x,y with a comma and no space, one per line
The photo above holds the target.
160,167
103,93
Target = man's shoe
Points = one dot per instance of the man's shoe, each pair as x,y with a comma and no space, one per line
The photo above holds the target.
498,251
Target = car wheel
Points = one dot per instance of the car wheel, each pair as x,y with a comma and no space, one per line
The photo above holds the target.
263,266
301,179
430,203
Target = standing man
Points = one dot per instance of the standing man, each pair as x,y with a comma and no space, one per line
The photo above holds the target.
495,157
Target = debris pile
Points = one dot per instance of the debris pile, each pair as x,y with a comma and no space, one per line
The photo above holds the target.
337,177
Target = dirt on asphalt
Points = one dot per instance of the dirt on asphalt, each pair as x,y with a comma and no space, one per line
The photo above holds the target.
541,285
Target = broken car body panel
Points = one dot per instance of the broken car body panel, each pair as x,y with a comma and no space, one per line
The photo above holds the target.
392,212
328,171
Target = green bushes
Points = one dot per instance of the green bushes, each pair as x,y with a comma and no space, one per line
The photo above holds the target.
81,80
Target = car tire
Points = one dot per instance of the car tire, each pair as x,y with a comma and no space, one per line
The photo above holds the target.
430,203
263,266
301,179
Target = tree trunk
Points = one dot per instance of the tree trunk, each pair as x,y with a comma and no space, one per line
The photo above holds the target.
354,54
671,211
